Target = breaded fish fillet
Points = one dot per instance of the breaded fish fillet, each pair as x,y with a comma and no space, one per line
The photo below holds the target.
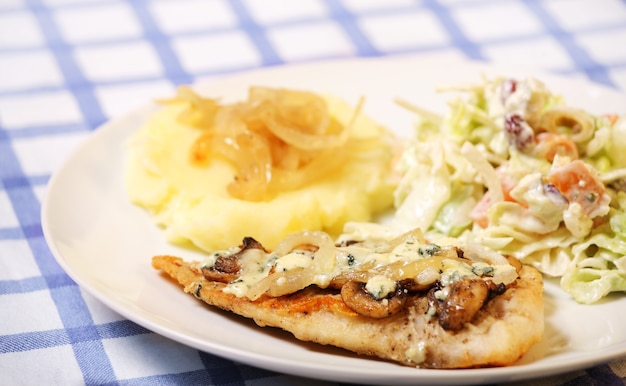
500,333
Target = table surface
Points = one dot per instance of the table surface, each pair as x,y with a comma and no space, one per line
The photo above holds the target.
67,66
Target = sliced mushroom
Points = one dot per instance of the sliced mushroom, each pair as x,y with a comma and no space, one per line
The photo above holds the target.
465,298
356,297
227,268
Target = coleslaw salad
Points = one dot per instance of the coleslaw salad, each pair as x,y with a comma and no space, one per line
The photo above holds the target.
513,167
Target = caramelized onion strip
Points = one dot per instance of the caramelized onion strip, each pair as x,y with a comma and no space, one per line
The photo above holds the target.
290,281
200,111
304,140
325,163
324,259
282,283
254,170
302,110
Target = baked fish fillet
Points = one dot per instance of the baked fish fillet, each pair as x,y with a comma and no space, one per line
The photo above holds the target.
501,332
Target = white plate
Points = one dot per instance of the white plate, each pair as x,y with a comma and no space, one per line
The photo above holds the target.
105,244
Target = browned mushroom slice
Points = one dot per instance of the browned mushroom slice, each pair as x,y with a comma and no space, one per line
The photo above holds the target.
356,297
465,298
227,268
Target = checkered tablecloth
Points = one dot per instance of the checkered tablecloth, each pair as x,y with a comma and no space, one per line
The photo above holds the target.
66,66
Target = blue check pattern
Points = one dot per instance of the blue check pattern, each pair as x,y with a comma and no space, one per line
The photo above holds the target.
66,66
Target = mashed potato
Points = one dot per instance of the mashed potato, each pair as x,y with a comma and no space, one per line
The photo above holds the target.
192,204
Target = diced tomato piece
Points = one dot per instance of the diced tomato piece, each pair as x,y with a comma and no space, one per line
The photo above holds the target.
578,183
